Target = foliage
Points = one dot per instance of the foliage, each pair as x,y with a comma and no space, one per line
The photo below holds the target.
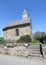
37,35
35,41
25,38
41,36
1,40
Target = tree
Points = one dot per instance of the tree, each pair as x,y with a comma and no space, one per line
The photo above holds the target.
41,36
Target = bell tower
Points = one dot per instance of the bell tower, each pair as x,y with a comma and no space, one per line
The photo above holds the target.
25,15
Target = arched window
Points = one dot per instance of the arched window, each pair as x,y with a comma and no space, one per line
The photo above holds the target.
17,32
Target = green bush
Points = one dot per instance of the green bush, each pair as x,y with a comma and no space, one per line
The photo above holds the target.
1,40
35,41
25,38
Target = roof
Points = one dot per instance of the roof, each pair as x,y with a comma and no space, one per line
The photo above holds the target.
19,22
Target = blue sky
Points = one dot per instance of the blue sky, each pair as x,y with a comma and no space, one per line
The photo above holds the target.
11,10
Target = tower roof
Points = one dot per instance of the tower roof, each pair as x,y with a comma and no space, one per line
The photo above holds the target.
25,15
24,12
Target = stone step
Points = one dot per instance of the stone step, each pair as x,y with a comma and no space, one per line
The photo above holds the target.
36,55
34,52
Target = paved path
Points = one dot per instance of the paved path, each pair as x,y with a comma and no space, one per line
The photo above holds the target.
12,60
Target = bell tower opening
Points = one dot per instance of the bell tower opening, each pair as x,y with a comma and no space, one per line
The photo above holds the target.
25,15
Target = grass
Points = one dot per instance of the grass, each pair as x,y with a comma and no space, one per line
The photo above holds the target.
33,42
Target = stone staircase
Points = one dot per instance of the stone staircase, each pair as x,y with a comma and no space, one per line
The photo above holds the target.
34,50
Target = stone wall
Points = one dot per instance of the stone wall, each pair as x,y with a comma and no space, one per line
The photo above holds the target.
11,33
32,50
44,50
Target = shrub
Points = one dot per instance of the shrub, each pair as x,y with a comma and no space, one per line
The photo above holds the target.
1,40
35,41
25,38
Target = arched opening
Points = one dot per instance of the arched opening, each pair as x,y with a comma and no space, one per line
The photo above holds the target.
17,32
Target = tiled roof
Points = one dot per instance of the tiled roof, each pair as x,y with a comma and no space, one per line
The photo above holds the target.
19,22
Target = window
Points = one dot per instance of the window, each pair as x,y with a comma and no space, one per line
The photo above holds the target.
17,32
